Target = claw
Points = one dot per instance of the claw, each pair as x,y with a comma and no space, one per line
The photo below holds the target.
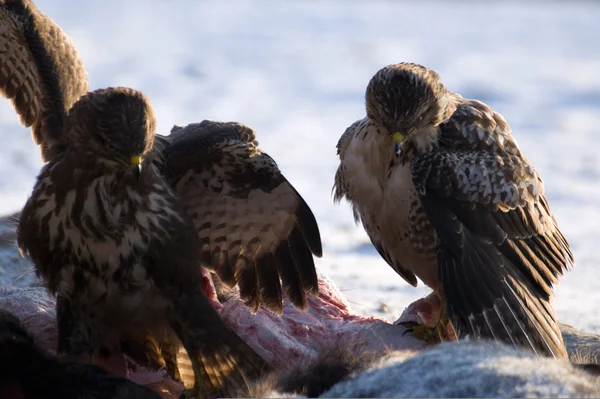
430,334
408,325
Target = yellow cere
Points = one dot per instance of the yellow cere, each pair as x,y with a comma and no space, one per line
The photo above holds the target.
135,160
397,137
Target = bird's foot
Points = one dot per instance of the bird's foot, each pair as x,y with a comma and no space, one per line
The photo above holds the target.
423,311
426,319
426,333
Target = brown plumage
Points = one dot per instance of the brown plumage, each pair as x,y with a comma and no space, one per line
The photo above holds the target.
262,220
40,72
118,213
253,225
110,241
451,200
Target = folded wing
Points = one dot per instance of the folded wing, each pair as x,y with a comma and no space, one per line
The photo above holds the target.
500,248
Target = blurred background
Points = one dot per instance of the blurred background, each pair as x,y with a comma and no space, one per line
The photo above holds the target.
296,72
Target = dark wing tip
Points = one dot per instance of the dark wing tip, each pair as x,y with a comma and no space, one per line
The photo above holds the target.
491,289
247,280
516,318
303,261
407,275
308,224
255,183
268,283
290,277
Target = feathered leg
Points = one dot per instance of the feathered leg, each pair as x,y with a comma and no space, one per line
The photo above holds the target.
441,330
169,354
77,339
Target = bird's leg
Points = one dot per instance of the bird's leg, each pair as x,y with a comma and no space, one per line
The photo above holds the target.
145,352
169,350
222,362
435,327
76,339
423,332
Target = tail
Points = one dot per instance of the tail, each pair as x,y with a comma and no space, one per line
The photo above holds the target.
222,362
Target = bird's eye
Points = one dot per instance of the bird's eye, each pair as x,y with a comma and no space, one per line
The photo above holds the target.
109,145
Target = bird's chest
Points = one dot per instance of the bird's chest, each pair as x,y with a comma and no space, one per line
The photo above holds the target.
402,205
389,207
95,235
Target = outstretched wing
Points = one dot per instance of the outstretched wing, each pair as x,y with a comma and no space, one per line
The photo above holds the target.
500,249
40,72
253,225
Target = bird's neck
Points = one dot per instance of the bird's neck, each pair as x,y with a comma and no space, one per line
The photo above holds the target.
422,141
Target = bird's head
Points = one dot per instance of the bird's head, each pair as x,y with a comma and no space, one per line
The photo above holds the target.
404,98
117,124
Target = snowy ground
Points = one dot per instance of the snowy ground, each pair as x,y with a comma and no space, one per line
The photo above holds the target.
296,72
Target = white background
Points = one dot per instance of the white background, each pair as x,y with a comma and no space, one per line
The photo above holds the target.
296,72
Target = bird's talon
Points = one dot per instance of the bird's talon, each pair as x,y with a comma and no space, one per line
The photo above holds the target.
426,333
408,324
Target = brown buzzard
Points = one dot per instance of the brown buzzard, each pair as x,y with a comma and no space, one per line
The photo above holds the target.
445,195
121,219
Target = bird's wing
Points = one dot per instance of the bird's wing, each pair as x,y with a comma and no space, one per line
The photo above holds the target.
253,225
40,72
500,249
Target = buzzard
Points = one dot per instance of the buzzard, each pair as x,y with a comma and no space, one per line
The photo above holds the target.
121,219
445,194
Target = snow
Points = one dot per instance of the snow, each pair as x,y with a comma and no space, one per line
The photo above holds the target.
296,73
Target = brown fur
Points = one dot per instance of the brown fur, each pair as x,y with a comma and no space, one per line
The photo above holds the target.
315,377
27,369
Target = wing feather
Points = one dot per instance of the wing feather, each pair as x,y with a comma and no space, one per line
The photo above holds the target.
500,250
40,72
256,227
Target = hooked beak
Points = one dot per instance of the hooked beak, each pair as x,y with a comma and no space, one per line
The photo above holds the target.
136,161
398,138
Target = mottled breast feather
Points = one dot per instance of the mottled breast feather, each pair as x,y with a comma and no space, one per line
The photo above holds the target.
80,214
40,72
500,249
361,179
253,225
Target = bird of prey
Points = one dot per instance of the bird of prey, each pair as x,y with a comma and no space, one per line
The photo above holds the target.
445,194
121,219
